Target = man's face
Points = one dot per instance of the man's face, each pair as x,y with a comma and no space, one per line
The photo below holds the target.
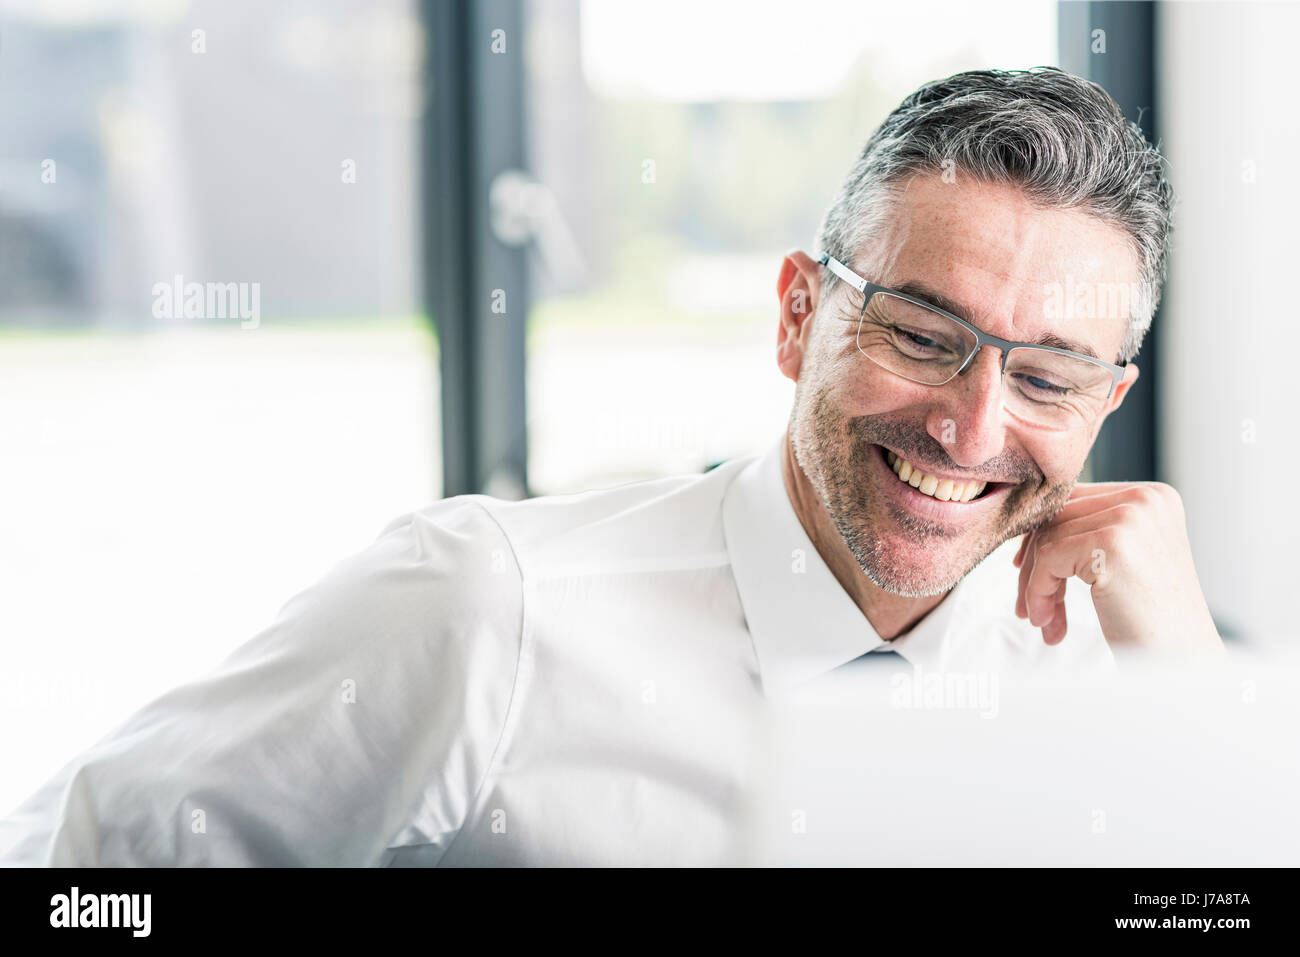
986,248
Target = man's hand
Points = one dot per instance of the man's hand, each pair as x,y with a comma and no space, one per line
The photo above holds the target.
1128,540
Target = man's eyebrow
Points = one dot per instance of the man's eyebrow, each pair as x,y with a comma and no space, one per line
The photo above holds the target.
921,291
1050,339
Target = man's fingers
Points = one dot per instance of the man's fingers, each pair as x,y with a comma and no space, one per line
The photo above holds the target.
1026,566
1087,504
1054,631
1088,527
1084,557
1086,489
1020,552
1054,563
1096,498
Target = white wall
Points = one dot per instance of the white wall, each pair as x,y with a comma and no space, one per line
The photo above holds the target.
1229,117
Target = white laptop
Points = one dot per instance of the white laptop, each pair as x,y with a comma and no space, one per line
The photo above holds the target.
1159,767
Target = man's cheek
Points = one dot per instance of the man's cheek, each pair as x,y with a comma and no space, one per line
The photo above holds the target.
1033,507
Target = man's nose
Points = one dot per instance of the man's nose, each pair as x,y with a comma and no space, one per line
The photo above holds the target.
967,416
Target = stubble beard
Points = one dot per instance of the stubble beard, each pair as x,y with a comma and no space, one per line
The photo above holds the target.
832,451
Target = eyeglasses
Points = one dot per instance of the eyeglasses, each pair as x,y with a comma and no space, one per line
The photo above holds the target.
1045,386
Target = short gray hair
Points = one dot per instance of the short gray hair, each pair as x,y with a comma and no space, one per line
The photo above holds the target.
1059,137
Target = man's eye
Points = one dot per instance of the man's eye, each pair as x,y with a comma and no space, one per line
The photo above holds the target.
1040,388
916,343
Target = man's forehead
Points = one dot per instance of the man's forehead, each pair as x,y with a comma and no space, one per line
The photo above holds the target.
1015,269
996,228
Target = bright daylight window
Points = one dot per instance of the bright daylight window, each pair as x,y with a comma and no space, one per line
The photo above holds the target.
681,177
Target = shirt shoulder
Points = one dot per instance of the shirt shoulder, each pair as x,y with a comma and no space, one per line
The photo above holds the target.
369,708
658,523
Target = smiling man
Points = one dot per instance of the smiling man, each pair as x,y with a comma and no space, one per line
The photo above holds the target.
946,401
579,679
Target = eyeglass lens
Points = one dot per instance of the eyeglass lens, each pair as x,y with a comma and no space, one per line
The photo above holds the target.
1040,386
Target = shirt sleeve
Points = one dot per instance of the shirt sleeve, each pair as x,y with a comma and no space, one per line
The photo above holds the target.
366,714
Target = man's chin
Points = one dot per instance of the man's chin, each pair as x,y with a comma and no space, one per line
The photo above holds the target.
912,579
903,564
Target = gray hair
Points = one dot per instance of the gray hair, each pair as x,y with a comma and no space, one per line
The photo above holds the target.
1059,137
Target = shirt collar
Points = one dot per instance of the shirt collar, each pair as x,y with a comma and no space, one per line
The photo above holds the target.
802,621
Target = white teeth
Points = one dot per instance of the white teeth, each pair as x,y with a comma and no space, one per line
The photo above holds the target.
945,490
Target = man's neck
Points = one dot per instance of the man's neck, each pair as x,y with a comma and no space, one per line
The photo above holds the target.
890,615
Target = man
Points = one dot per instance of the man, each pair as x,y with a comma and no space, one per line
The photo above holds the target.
578,679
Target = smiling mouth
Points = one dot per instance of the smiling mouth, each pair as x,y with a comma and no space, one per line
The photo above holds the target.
957,491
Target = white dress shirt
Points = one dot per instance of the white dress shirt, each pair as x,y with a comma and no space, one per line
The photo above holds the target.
573,679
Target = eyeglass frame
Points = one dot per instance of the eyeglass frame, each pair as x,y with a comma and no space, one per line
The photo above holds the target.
869,289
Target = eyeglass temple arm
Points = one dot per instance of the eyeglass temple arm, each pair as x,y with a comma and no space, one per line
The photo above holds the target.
848,275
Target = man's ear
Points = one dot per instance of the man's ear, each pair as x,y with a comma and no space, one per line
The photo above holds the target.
798,286
1121,390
